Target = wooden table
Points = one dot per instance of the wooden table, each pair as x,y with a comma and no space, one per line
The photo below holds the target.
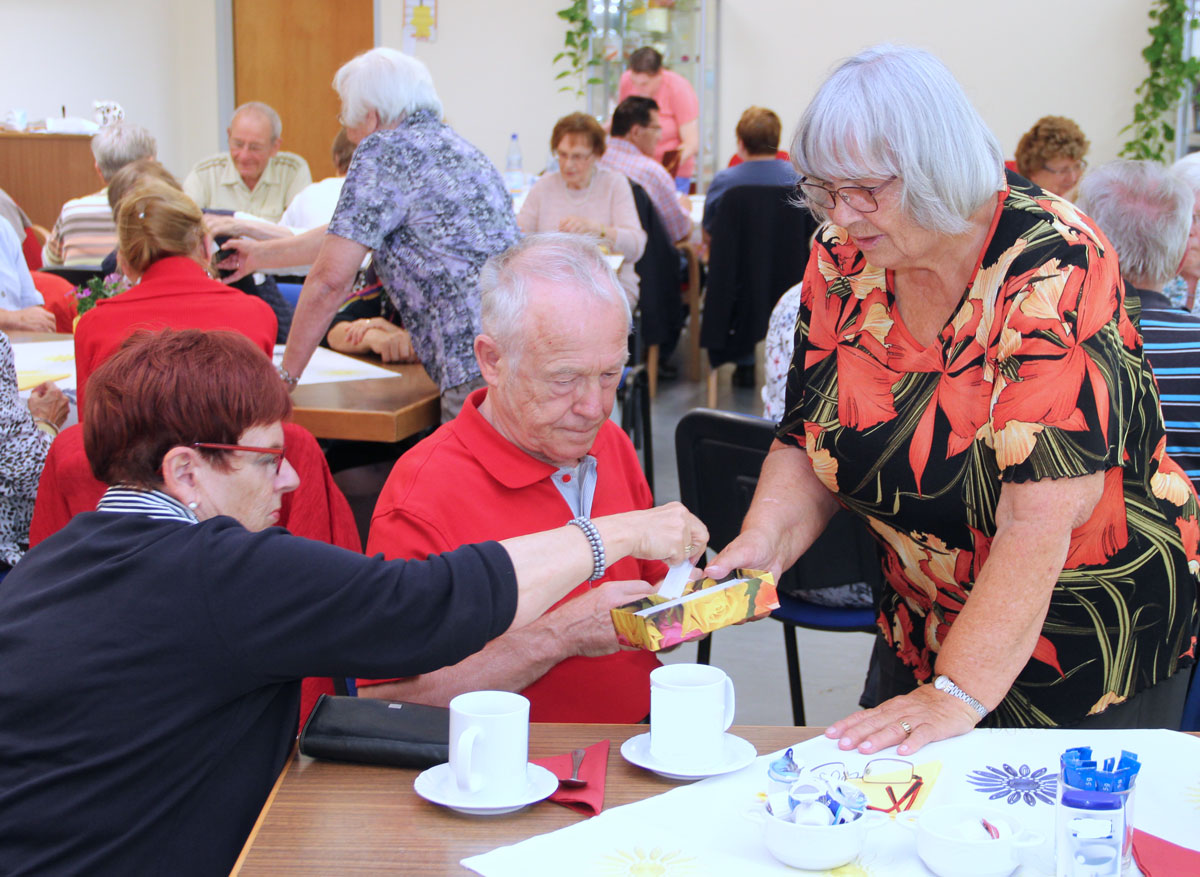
325,817
375,410
42,171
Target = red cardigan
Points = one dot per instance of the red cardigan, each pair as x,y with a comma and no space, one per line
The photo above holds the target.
174,293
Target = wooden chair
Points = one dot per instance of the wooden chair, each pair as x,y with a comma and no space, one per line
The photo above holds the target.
720,455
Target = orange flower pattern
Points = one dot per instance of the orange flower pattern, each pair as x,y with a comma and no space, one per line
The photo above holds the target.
1038,374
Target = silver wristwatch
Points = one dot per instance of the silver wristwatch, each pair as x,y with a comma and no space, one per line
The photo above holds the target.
946,684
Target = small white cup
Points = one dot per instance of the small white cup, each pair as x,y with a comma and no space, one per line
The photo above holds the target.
814,847
691,707
946,853
489,744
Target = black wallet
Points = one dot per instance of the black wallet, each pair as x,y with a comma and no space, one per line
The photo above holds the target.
372,731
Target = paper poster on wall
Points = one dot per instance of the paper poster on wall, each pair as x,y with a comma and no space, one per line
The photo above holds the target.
420,20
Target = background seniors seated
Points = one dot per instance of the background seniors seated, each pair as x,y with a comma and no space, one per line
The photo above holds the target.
1051,155
758,132
84,232
25,434
581,198
532,450
164,250
426,204
253,176
21,305
634,135
679,110
161,638
1181,290
1146,213
996,428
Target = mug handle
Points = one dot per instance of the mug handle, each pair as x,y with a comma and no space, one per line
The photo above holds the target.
460,757
729,704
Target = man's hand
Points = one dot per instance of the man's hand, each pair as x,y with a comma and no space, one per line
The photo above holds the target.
584,625
391,343
35,319
48,403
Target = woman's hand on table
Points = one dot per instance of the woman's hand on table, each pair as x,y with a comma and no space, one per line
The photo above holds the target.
391,342
34,319
580,225
47,402
669,533
931,714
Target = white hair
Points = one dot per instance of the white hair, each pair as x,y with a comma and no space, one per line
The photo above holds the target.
116,145
565,260
267,111
892,111
389,82
1188,170
1146,213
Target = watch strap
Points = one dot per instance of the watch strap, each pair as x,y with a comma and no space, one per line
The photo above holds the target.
946,684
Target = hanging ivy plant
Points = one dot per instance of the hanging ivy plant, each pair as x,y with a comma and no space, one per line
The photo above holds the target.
576,55
1159,94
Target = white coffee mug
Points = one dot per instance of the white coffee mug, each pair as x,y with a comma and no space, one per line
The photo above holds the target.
691,707
489,743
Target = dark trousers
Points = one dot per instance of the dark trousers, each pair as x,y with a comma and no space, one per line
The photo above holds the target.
1160,706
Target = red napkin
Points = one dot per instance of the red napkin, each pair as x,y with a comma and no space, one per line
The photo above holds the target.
1161,858
588,799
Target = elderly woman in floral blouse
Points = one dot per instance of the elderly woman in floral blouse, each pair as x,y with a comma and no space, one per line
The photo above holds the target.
25,434
428,205
966,379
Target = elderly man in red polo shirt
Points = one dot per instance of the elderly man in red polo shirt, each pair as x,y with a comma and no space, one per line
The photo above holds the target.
534,449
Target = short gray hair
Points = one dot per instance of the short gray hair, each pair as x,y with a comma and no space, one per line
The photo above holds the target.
389,82
565,260
892,111
266,111
1146,213
1188,170
116,145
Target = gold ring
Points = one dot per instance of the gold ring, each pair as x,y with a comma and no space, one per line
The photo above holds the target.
906,726
688,549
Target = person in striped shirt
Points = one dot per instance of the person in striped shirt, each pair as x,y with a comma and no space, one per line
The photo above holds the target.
85,232
1146,212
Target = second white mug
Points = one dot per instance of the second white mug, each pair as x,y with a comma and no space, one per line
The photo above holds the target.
489,744
691,707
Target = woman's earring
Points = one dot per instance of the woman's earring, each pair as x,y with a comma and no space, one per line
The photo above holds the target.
193,505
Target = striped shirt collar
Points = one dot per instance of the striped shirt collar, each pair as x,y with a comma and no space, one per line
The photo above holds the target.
152,503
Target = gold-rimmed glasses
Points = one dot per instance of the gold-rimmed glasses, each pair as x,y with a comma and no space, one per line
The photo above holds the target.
893,774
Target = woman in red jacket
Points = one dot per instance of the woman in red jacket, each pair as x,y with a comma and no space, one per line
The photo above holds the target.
162,246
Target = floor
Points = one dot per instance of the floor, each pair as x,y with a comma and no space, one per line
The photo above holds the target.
832,664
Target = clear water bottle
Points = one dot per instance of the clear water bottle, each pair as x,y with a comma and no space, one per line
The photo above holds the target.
514,173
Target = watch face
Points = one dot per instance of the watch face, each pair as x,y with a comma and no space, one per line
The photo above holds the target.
941,683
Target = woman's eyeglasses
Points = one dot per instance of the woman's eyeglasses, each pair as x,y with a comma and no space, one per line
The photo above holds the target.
1072,168
277,453
894,775
861,198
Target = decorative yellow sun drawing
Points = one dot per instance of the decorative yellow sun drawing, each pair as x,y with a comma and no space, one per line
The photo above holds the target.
1191,794
642,862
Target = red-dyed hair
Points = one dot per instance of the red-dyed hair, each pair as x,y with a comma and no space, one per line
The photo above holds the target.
166,389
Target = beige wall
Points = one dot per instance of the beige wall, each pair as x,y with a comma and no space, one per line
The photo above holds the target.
1017,60
492,64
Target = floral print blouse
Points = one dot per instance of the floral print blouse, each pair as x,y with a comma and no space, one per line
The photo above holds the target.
23,449
1038,374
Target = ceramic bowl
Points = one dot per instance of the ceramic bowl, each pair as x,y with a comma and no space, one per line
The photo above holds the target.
814,847
948,844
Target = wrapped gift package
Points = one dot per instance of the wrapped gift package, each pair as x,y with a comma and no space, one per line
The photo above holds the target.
655,622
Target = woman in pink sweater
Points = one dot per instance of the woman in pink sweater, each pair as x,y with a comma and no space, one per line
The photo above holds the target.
581,198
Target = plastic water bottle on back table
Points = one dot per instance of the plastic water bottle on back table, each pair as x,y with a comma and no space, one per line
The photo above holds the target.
514,173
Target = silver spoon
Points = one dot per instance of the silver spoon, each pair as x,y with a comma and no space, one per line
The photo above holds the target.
573,781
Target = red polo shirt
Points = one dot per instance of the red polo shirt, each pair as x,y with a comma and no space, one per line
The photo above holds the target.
467,483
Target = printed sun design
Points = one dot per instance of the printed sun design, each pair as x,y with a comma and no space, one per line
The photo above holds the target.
641,862
1017,784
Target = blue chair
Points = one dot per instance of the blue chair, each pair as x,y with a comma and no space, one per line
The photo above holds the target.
720,455
290,292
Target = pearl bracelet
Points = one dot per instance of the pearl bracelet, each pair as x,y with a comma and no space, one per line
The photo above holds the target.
593,537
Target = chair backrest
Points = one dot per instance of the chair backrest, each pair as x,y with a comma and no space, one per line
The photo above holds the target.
759,250
720,455
658,274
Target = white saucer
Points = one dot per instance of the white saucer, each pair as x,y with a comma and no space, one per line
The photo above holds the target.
437,784
736,753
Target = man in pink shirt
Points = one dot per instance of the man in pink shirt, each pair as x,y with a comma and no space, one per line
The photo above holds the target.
679,110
